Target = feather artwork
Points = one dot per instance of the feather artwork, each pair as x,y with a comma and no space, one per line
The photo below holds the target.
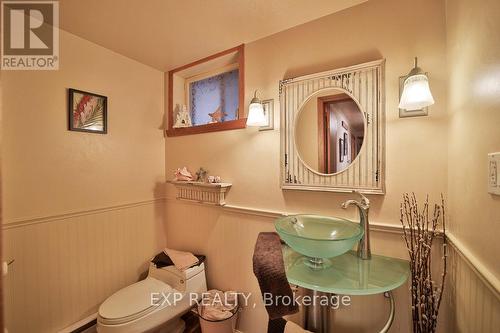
217,116
88,112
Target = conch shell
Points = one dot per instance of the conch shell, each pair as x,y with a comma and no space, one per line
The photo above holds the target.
183,174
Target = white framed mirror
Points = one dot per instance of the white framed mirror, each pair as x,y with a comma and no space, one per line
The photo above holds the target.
332,130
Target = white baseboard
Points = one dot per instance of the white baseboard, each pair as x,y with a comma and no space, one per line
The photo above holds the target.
90,318
79,324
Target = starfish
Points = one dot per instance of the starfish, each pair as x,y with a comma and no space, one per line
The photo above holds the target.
217,115
201,175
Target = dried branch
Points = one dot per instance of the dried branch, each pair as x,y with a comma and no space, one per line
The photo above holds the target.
419,230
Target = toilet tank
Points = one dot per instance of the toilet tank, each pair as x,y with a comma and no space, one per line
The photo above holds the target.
192,280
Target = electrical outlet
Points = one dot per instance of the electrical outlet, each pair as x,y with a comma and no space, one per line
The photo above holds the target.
493,173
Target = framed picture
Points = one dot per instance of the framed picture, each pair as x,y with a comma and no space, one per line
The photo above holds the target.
87,112
346,142
341,150
268,106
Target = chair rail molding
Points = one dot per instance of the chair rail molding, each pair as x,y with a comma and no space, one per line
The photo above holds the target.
475,264
20,222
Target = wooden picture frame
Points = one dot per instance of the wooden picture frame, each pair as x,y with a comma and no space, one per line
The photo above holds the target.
91,107
213,127
345,144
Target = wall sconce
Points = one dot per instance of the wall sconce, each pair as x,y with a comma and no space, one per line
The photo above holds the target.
256,115
415,94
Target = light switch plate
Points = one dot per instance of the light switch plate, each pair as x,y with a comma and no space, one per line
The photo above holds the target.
494,173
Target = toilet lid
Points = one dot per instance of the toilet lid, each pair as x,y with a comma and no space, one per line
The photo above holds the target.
133,301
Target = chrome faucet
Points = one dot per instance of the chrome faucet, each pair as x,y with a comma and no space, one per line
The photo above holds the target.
363,205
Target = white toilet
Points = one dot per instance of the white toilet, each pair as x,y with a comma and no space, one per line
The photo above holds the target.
148,305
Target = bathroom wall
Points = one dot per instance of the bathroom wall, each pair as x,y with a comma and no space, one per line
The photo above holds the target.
474,123
227,236
416,148
473,32
59,171
82,212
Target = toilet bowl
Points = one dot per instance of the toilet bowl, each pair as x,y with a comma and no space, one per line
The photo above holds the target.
154,304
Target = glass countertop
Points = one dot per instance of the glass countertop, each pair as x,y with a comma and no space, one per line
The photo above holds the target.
348,274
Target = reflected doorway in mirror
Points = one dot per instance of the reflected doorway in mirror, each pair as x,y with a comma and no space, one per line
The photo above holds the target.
325,130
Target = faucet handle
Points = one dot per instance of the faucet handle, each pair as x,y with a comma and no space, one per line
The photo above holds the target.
364,200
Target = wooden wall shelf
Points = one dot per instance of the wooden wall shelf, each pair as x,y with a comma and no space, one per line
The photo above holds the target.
206,193
215,127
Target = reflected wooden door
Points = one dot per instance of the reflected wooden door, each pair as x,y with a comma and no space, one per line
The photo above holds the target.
328,150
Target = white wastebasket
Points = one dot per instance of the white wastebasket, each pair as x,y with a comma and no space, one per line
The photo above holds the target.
218,311
227,325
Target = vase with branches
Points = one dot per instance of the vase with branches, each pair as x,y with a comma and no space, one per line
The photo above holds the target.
420,229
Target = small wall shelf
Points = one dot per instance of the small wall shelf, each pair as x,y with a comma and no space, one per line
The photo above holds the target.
207,193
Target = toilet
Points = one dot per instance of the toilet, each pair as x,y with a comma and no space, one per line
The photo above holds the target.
154,304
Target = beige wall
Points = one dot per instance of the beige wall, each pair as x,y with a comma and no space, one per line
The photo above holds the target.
473,32
80,218
473,29
57,171
416,148
71,211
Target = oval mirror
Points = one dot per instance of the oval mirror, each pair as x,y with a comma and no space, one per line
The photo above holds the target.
329,131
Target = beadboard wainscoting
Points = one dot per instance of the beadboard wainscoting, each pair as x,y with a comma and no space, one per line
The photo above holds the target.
227,235
472,300
66,265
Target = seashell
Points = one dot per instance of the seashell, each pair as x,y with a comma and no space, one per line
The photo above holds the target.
183,174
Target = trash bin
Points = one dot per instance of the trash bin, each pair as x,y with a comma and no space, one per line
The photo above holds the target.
218,312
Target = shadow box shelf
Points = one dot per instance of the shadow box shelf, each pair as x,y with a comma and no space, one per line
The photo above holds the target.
207,95
206,193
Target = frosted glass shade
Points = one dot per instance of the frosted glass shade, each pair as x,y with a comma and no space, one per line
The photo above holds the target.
416,93
256,115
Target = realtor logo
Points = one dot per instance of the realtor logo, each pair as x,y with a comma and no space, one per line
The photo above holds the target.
30,35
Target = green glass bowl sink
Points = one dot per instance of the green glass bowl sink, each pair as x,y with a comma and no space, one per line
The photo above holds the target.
318,237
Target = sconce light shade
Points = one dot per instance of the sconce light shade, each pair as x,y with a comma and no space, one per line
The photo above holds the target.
256,115
416,92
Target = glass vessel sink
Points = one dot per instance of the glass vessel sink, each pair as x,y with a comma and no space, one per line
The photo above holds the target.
318,237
